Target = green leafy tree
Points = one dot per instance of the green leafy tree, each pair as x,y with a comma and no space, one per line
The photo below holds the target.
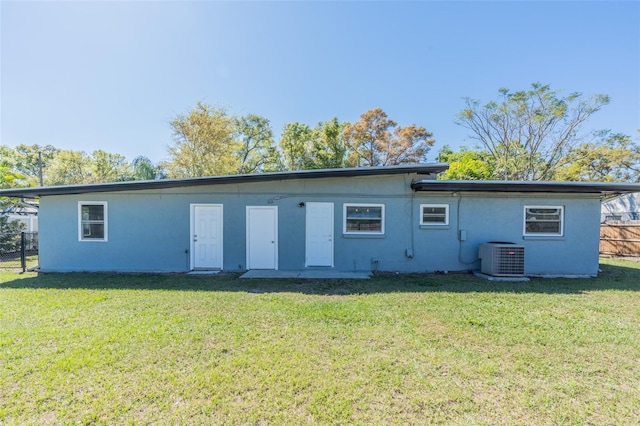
108,167
203,144
376,140
69,168
20,167
511,159
255,147
273,161
322,147
529,133
465,164
608,158
28,159
328,147
9,234
144,169
10,178
8,158
295,144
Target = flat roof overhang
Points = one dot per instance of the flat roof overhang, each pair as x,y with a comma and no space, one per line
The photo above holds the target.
36,192
605,189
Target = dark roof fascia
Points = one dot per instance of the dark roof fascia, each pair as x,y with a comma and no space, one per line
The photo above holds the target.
36,192
602,188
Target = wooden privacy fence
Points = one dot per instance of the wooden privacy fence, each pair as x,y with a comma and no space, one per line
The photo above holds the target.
620,239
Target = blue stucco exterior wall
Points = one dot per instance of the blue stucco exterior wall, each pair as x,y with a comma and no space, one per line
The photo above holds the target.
149,230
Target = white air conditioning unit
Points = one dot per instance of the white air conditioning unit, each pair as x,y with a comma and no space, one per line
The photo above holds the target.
502,259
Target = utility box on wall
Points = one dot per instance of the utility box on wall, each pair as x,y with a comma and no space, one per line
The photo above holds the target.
502,259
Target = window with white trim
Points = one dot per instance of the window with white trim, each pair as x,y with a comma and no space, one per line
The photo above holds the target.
543,220
434,214
364,218
92,221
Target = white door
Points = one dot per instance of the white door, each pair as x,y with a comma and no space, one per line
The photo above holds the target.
262,237
206,236
319,234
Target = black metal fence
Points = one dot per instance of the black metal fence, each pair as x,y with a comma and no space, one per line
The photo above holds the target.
19,250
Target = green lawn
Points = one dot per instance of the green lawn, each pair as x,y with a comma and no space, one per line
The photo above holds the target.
178,349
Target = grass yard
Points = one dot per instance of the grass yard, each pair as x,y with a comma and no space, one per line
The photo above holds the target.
454,349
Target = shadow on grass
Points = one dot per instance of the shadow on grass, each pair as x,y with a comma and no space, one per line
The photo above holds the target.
612,277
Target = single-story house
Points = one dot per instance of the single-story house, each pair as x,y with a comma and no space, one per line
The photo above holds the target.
396,218
623,208
24,212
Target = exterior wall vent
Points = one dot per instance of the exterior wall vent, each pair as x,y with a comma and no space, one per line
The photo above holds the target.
502,259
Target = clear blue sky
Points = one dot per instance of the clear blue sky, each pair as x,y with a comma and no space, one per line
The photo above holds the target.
88,75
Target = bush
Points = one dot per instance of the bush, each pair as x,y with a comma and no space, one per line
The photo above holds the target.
10,234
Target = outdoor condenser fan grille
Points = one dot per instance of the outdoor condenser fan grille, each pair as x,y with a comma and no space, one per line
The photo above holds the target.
502,260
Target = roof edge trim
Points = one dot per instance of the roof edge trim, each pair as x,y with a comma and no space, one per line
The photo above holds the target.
602,188
35,192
